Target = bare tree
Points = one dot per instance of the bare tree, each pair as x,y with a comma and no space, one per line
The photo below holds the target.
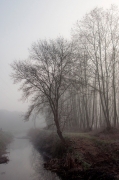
97,35
43,77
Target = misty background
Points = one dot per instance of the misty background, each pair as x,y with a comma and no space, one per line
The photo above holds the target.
13,121
22,23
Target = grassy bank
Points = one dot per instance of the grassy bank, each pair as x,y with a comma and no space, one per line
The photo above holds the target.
87,156
5,139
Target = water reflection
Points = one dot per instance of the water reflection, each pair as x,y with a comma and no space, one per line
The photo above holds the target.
40,172
25,163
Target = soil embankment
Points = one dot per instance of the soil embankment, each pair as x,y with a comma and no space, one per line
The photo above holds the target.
87,156
5,139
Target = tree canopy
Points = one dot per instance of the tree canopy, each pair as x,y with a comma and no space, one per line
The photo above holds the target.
44,76
75,81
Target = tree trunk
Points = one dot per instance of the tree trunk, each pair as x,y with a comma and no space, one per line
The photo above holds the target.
56,119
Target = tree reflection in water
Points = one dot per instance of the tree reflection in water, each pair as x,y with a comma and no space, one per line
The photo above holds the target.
39,171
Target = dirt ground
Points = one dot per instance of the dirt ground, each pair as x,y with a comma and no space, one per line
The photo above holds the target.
91,156
99,151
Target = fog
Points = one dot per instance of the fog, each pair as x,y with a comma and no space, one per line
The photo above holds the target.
21,24
59,78
24,22
14,123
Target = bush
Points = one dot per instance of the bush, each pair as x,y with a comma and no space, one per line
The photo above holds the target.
48,142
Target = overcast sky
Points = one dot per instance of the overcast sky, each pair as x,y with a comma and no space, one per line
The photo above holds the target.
23,22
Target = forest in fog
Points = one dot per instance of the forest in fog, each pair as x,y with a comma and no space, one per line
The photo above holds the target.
75,83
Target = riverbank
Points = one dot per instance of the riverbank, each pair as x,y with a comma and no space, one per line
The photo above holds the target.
87,156
5,139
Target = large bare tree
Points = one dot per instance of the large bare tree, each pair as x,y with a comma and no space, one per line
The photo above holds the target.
43,77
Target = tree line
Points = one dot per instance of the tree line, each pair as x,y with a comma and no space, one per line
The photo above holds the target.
75,82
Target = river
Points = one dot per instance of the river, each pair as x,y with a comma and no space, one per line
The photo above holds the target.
25,163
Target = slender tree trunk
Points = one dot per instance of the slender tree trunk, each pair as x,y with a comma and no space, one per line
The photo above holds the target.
56,119
114,91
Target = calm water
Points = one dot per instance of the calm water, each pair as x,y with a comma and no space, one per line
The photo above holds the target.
25,163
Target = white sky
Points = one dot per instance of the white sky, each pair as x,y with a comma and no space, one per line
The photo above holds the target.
23,22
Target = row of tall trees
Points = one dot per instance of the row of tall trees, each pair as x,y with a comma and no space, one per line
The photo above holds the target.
76,82
96,40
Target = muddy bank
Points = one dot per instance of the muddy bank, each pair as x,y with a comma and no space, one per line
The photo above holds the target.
86,157
5,139
76,172
4,159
